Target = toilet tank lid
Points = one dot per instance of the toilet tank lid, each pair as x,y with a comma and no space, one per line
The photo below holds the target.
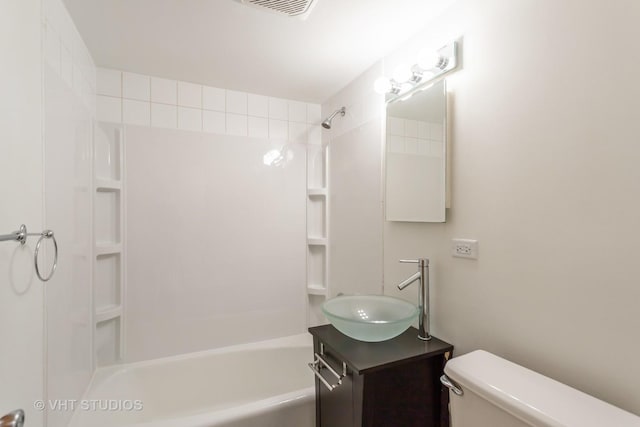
530,396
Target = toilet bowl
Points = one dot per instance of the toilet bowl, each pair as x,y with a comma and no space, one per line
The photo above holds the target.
499,393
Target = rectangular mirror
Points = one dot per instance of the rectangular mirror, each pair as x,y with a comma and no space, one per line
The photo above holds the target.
415,156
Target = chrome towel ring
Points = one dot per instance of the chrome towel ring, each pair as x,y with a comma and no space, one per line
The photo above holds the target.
21,236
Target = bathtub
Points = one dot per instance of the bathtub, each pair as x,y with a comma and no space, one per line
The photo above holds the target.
264,384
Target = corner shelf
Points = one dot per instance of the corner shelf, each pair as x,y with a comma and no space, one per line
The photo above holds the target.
104,184
108,250
107,313
317,192
317,286
317,241
318,290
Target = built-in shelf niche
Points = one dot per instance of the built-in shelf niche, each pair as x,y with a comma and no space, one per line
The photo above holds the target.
107,217
316,174
316,270
317,232
108,342
107,284
108,151
316,217
108,232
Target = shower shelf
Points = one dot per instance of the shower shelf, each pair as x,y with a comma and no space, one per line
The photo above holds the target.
318,248
316,290
317,192
108,248
107,185
107,313
317,241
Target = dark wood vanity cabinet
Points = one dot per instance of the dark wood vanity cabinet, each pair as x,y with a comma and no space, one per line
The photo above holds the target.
387,384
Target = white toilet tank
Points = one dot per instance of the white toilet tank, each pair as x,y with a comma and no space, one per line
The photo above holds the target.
499,393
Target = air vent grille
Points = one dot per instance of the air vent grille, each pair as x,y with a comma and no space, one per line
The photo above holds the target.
297,8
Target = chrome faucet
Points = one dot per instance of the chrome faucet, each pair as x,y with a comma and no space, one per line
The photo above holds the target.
423,305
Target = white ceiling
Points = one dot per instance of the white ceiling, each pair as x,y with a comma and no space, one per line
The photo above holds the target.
226,44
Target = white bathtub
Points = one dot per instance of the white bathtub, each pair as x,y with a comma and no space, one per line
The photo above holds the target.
264,384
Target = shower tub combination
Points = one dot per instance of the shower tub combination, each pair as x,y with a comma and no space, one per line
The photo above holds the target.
263,384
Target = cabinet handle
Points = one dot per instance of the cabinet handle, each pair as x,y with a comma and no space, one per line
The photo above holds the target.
318,364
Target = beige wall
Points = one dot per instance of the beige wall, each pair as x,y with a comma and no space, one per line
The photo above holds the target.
544,174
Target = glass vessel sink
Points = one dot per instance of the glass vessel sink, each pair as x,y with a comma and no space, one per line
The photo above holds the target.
370,318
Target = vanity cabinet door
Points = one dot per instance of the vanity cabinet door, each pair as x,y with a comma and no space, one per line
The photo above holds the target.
388,384
334,407
408,395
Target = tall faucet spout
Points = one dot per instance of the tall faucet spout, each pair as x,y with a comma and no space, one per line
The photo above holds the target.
409,280
423,294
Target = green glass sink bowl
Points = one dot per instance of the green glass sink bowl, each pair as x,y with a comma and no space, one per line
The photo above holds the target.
370,318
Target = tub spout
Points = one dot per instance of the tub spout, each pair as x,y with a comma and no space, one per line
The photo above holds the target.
423,302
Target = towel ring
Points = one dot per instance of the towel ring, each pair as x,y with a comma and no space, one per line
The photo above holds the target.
46,234
21,236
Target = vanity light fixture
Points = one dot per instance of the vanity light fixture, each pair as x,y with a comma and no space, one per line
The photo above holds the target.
386,85
430,66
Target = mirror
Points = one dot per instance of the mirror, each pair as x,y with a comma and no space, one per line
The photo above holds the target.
415,156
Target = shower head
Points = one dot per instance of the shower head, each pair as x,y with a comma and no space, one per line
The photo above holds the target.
327,123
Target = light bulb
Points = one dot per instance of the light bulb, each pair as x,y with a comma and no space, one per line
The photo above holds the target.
382,85
428,59
402,73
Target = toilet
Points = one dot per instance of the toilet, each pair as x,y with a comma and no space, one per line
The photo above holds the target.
488,391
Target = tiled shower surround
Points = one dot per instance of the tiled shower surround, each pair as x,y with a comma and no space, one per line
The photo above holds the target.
142,100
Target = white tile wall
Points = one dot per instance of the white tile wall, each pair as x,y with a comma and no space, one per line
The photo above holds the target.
297,131
109,109
258,105
314,136
164,91
297,112
189,118
414,137
213,98
236,124
278,109
136,86
164,116
136,112
236,102
153,101
189,95
278,129
214,122
314,114
61,32
258,127
109,82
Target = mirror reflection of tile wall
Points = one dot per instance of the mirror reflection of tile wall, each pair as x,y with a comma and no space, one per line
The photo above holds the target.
416,157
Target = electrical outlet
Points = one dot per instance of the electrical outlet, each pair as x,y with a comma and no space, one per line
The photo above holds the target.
464,248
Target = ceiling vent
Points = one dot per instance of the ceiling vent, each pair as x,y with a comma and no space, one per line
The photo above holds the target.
294,8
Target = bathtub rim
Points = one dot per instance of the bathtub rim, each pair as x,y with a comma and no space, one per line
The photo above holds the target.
220,417
102,374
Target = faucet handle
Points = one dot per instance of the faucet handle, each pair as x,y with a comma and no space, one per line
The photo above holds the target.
421,261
